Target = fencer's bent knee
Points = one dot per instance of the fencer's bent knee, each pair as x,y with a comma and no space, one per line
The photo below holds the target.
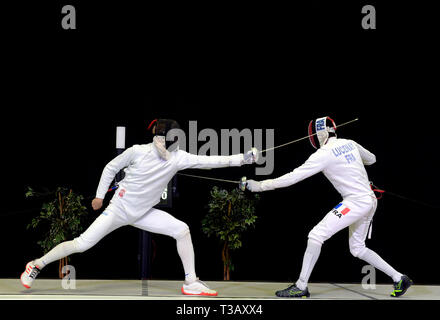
315,236
182,231
357,250
313,242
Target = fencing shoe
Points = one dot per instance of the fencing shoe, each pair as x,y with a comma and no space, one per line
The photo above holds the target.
294,292
29,275
402,286
198,288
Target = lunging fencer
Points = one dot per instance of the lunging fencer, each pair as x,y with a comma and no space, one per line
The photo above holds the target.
343,163
149,169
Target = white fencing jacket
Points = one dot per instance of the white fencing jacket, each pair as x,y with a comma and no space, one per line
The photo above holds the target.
147,175
342,162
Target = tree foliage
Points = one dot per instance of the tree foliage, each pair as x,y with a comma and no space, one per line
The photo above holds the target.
230,214
60,217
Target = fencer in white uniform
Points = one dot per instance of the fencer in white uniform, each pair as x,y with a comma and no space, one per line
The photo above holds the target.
149,169
343,163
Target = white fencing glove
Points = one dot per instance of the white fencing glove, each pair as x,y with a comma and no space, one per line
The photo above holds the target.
252,156
254,186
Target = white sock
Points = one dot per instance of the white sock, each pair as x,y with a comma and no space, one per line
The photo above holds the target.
186,252
61,251
376,261
310,258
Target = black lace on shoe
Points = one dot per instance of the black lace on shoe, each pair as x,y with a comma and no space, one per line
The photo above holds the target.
34,273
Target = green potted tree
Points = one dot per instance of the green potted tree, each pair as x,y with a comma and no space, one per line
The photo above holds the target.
60,218
230,214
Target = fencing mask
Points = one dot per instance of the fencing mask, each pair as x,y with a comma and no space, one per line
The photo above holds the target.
320,130
164,139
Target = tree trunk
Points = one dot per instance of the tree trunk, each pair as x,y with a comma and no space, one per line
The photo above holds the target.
65,261
226,255
226,262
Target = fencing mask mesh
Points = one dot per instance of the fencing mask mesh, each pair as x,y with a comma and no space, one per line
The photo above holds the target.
162,129
320,130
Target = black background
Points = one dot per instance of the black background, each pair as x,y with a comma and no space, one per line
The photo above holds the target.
226,66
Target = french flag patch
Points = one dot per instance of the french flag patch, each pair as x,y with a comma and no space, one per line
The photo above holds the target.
343,209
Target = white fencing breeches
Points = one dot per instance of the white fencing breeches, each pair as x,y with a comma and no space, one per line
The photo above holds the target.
356,214
154,221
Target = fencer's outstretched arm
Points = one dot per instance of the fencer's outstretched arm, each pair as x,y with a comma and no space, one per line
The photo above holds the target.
112,169
191,161
315,164
368,158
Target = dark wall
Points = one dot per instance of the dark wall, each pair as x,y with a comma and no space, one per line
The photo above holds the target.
61,152
63,90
